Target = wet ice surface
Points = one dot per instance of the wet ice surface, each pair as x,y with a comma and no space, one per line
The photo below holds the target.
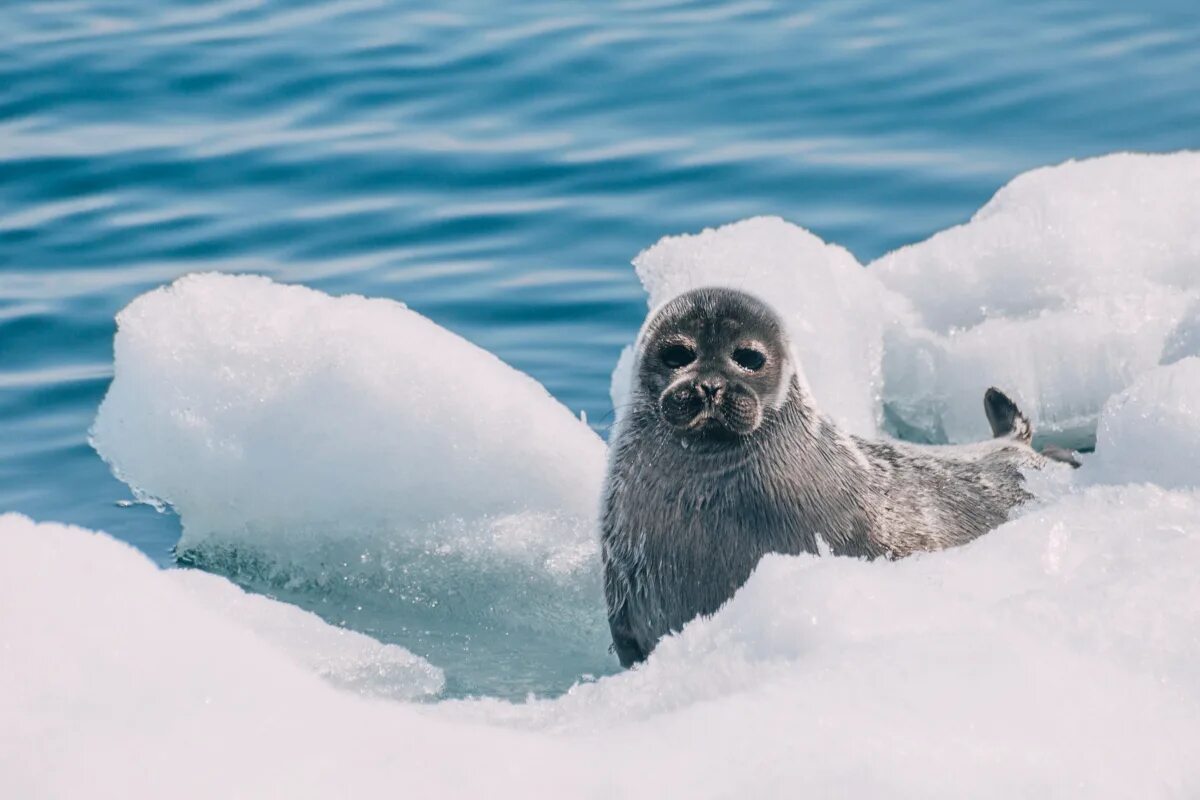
327,451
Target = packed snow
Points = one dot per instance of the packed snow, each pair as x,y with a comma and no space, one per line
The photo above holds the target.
117,681
1054,657
324,441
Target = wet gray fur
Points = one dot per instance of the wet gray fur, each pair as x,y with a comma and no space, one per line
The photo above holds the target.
690,508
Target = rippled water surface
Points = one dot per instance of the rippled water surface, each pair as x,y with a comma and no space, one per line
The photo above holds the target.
496,165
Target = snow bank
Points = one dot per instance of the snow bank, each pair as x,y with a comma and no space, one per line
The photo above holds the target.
1056,656
117,681
1067,285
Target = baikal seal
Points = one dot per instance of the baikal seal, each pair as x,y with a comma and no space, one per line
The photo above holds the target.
723,457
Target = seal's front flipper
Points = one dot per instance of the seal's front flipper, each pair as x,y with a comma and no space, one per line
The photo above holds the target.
1004,416
624,645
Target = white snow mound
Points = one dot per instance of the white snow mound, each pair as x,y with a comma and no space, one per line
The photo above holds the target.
1054,657
118,681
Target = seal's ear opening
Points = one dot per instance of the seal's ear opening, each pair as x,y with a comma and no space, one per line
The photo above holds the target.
1004,416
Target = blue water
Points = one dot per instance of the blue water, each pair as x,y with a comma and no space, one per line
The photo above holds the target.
496,165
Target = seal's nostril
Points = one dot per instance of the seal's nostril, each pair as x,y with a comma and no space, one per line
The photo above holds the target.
711,389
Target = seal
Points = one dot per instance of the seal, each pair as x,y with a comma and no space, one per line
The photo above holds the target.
722,457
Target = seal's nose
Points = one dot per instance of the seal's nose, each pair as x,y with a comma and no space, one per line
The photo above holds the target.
712,388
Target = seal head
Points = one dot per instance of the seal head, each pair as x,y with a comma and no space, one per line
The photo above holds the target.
714,361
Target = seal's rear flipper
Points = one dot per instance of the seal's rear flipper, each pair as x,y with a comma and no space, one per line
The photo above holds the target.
1004,416
1056,453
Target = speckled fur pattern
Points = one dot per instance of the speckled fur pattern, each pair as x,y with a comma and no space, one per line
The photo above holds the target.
684,522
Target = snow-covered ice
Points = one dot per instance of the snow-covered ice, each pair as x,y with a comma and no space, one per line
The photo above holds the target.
1055,656
1067,285
329,441
310,414
116,681
1062,289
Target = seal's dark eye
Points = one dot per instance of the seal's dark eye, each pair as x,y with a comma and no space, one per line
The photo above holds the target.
749,358
677,355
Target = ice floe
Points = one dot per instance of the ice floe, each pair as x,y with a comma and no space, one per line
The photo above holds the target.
1062,289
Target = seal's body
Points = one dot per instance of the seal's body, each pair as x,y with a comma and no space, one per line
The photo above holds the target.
722,458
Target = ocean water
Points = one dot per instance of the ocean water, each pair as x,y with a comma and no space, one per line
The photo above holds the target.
496,165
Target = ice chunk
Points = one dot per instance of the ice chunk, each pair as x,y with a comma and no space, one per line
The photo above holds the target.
1058,365
343,657
246,403
1061,290
1151,431
836,313
1071,282
282,417
351,452
1057,235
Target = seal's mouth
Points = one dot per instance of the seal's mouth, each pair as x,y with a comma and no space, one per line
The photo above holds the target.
702,409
